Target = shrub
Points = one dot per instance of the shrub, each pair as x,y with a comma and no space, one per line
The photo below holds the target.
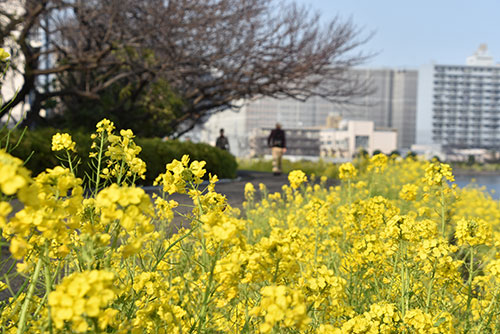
35,149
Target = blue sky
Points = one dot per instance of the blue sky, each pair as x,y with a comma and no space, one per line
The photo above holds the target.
409,33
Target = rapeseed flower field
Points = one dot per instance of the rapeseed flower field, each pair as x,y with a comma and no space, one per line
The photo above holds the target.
395,248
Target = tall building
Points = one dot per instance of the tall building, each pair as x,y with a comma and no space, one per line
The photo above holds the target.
392,105
459,105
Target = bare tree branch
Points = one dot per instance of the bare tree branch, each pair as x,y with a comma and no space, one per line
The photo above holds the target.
212,53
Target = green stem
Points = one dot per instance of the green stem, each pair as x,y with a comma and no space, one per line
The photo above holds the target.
276,270
162,256
114,243
429,288
443,207
120,175
24,310
349,192
99,158
48,286
208,292
316,246
488,311
70,162
469,281
404,285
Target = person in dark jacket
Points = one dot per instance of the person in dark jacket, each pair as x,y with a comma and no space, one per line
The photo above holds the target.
277,142
222,141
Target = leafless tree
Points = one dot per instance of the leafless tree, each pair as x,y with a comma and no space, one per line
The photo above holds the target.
212,53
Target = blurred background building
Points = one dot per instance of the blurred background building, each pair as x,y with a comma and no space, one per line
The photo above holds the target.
300,142
349,137
459,105
340,140
391,106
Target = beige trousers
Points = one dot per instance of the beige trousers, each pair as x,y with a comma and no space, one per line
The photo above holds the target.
277,155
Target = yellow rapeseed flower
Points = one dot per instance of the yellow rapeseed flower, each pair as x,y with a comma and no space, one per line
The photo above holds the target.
347,171
473,232
4,55
296,178
62,141
82,295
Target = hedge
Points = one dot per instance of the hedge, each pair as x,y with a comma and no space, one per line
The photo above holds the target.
35,149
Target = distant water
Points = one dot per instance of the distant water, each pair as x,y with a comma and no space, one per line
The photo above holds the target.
491,182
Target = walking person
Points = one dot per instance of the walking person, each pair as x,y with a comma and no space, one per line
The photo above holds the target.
222,141
277,142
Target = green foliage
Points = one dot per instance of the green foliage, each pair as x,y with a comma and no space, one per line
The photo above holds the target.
471,160
156,153
148,111
395,153
411,154
35,149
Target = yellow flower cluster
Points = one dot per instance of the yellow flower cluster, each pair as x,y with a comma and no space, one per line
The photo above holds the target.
127,211
378,162
375,254
437,172
63,141
281,307
409,192
473,232
50,214
13,176
180,174
84,295
347,171
120,152
249,191
4,55
381,318
296,178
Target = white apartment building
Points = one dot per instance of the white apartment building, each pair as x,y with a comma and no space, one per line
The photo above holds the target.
351,136
459,105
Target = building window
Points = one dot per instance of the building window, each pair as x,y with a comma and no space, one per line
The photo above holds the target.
361,141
